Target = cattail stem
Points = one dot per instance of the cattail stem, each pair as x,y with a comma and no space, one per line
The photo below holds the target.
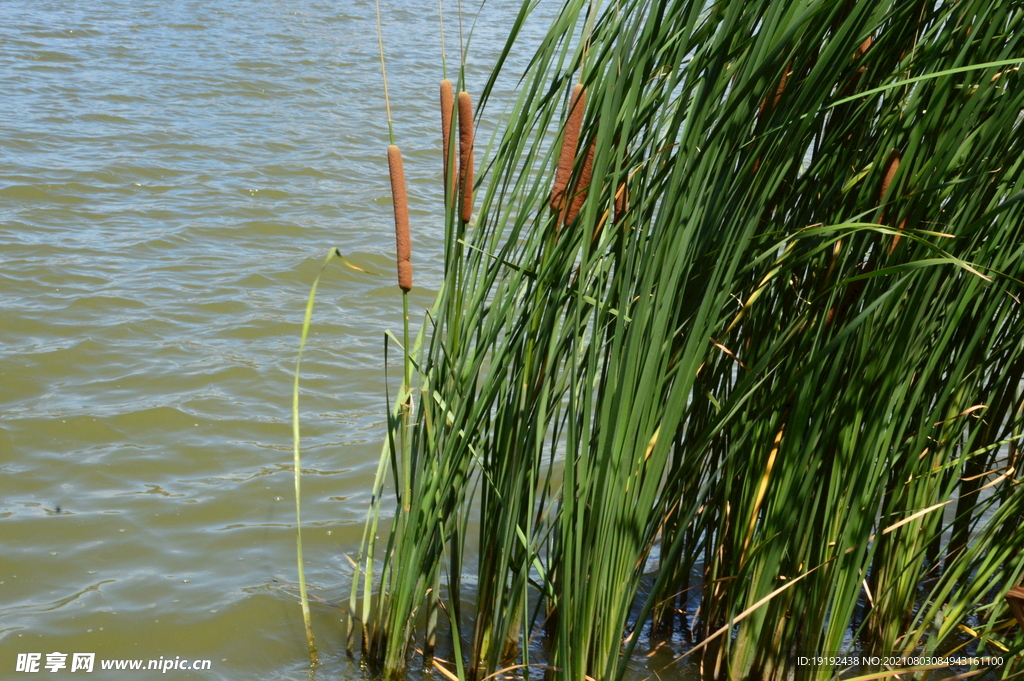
406,434
403,245
570,139
466,154
447,112
384,76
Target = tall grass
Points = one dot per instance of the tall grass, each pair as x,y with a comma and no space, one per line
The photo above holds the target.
770,406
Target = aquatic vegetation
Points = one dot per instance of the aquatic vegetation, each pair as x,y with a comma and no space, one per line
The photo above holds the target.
769,406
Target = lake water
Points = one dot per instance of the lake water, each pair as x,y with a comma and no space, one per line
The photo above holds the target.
171,177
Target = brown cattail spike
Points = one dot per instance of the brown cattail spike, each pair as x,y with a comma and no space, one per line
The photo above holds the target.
891,166
864,47
466,154
851,86
782,84
579,194
402,243
447,111
769,103
570,138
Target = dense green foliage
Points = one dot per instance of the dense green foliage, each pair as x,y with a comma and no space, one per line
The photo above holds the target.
772,405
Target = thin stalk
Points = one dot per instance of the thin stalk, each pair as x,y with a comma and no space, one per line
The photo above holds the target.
297,460
384,74
406,439
440,21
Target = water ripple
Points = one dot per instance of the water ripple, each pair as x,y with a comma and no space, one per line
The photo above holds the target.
171,178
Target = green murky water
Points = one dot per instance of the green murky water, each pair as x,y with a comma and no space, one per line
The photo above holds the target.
171,177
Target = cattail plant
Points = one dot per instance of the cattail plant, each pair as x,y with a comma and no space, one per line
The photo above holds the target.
741,383
892,165
855,78
579,193
570,139
466,154
447,112
402,244
404,255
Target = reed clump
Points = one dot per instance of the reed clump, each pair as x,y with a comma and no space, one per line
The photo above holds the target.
738,427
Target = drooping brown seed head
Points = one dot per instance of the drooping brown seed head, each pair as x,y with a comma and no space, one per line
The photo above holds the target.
579,193
466,154
447,111
402,243
570,139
